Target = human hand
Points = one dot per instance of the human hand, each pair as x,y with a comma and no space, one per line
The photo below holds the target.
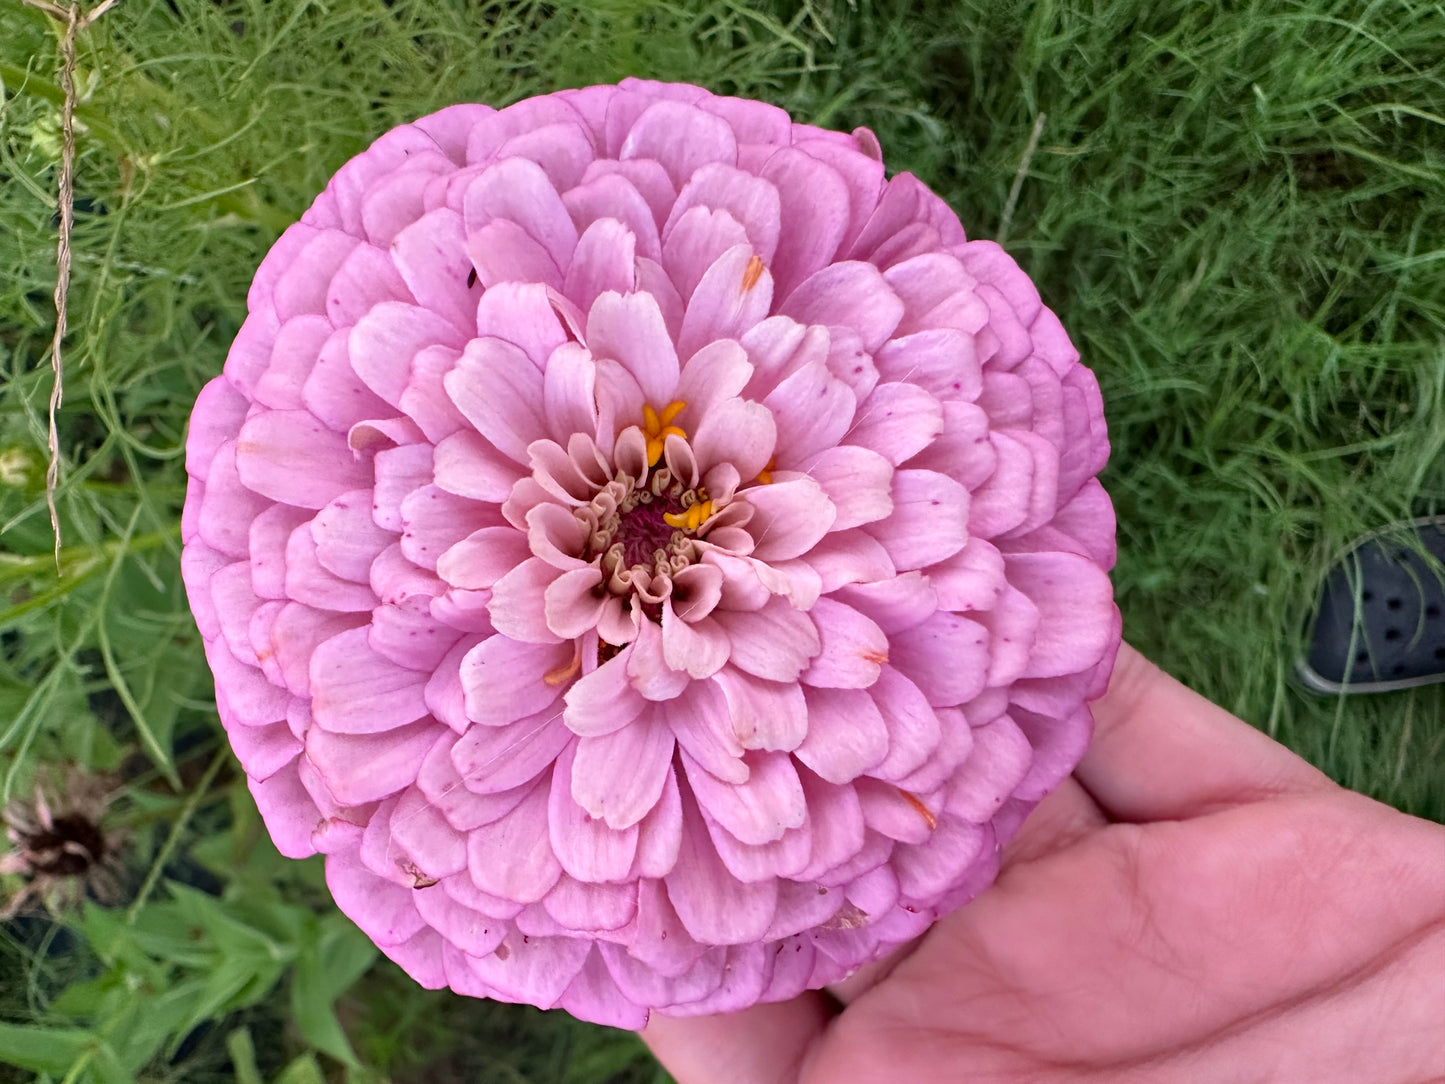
1195,903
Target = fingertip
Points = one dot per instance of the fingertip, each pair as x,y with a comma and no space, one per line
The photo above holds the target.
1160,750
765,1044
1059,821
1133,678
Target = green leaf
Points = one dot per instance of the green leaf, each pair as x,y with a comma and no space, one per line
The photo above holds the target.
326,968
234,964
346,954
150,684
234,984
160,932
303,1070
135,1019
85,998
142,1033
58,1051
229,933
260,905
89,743
43,1050
117,944
243,1056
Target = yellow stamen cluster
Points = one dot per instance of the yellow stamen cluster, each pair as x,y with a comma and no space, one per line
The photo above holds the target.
691,518
656,428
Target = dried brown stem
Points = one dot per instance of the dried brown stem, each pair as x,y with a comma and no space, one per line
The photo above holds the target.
62,263
74,23
64,13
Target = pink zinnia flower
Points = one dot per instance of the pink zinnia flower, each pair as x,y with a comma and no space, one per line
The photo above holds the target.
655,557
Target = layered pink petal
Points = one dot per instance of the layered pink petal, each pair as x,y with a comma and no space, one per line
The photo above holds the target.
469,466
815,213
588,848
492,759
519,191
929,519
849,294
897,421
629,329
603,701
702,723
619,777
761,714
789,517
505,679
290,457
853,648
846,734
774,643
519,602
358,768
381,345
739,433
511,857
1064,586
347,538
732,292
499,390
680,137
657,560
945,656
430,255
714,907
356,690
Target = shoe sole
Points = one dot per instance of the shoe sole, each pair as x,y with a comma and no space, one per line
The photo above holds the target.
1380,622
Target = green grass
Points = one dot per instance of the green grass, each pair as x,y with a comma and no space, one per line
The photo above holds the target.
1238,209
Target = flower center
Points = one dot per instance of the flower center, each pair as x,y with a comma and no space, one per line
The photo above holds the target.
644,529
646,526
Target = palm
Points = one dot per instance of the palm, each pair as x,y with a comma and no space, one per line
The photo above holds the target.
1193,950
1196,905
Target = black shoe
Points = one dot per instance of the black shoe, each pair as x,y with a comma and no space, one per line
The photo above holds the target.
1380,622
